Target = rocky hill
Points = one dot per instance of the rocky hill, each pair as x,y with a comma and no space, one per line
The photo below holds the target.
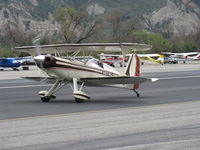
177,16
171,16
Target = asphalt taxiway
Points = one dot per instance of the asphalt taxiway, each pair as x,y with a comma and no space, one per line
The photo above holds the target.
166,116
18,98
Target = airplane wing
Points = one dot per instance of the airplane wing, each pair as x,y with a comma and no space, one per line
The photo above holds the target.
99,81
167,54
125,48
116,80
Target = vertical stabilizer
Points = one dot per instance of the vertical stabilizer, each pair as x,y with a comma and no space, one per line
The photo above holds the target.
133,66
133,69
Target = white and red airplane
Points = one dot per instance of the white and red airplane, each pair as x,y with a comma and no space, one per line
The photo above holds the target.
113,59
194,57
91,72
183,56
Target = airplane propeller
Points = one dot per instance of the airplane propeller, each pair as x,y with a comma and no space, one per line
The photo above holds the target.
36,43
39,58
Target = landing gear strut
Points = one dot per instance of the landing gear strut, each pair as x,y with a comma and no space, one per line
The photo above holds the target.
79,95
46,96
137,93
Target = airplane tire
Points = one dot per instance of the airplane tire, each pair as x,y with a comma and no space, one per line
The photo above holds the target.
138,95
45,99
77,100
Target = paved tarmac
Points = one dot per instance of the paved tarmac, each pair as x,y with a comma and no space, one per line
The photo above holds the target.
166,116
18,98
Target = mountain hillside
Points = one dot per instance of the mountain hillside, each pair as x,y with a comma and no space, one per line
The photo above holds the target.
171,16
177,16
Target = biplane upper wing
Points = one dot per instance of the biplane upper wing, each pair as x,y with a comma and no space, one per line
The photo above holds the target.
107,47
117,80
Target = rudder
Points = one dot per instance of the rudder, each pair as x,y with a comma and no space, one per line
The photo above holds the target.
133,68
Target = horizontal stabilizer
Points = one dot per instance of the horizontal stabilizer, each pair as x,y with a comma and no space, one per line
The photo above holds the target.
154,79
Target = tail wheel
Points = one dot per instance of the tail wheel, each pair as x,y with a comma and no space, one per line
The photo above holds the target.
138,95
45,99
77,100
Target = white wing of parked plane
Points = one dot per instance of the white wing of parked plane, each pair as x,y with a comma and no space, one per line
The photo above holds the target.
179,54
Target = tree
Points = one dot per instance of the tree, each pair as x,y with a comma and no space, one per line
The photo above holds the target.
128,27
12,36
158,42
115,19
76,26
122,25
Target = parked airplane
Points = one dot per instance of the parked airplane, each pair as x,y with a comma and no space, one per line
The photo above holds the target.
112,59
194,57
151,58
89,73
119,59
182,56
15,63
9,63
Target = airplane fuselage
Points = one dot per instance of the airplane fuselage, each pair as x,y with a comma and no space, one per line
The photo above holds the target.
67,69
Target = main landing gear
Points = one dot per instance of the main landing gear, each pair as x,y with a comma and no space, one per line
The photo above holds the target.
136,92
46,96
78,94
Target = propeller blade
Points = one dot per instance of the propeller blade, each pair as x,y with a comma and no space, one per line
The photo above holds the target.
36,42
39,58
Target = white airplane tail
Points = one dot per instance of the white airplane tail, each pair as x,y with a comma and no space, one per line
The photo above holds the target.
133,69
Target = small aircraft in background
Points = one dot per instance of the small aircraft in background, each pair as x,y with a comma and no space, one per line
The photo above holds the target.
9,63
15,63
152,58
194,57
112,59
91,72
182,56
